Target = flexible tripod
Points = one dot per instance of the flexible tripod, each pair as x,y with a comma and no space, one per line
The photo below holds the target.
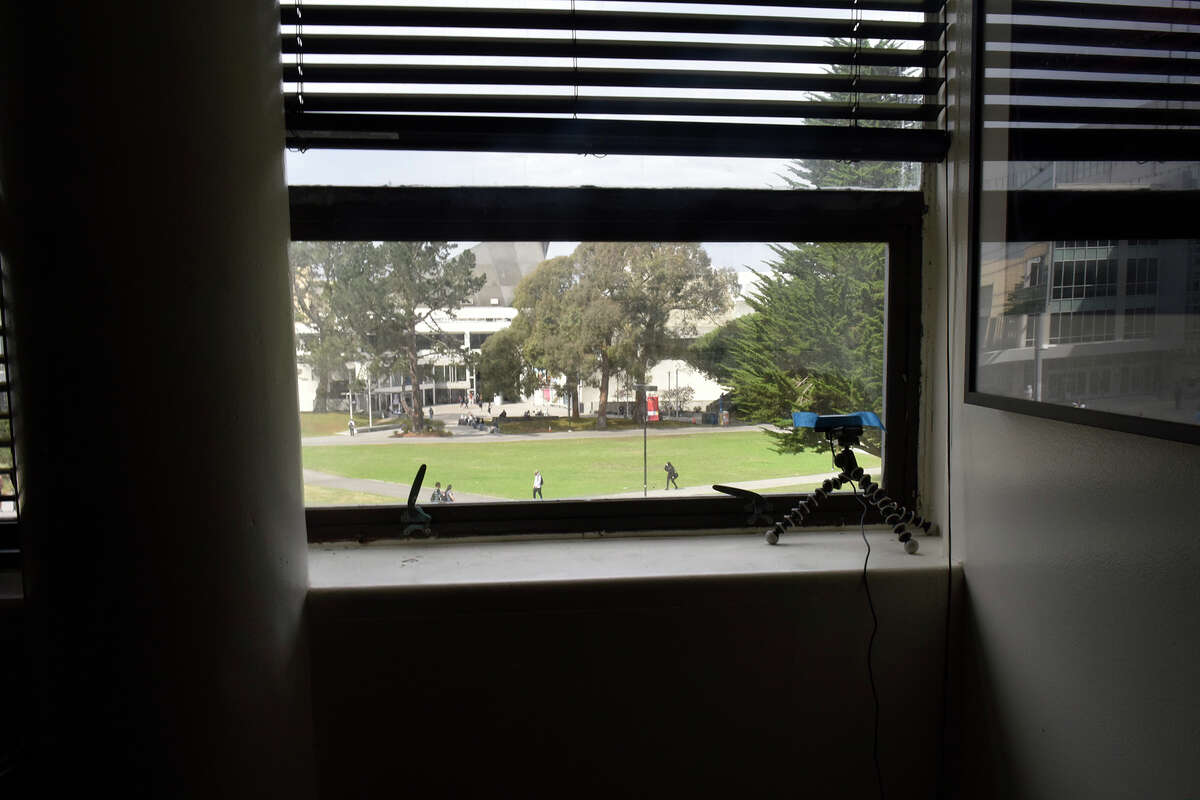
900,518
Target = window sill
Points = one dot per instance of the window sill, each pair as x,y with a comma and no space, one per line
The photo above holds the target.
440,564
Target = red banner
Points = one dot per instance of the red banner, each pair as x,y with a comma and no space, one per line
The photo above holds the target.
652,409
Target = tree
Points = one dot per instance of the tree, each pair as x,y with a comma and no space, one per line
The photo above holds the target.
662,290
613,308
814,340
557,314
825,174
678,397
503,367
322,344
381,293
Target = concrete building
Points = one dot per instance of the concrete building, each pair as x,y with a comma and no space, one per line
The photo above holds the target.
447,376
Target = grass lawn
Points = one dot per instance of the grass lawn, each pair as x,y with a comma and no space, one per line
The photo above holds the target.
324,496
312,424
580,467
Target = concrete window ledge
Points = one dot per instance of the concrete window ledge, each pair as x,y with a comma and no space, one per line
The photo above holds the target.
429,564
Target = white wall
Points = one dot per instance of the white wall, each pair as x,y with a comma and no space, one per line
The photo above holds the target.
1080,553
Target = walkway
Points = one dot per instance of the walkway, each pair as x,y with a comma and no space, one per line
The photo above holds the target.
400,490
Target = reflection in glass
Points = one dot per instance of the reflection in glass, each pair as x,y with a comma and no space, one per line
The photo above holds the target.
1116,327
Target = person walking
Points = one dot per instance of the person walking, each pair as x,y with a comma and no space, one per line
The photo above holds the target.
437,495
537,485
448,495
672,474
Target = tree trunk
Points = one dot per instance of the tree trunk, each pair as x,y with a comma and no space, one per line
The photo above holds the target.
573,383
639,403
602,411
320,401
418,412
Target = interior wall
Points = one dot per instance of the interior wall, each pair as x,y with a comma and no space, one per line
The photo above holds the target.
1079,548
704,687
144,226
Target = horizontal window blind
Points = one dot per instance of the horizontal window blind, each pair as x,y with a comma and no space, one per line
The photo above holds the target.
10,543
819,79
1067,80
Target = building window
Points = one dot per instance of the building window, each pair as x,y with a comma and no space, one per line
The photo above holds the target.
1082,326
1141,276
1084,277
1139,323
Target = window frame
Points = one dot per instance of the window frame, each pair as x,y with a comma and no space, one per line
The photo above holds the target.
588,213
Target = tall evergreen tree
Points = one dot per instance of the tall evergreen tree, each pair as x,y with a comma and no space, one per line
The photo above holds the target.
814,340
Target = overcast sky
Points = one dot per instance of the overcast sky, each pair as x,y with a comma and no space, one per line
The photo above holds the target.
419,168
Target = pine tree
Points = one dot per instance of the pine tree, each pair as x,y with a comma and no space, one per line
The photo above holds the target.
814,340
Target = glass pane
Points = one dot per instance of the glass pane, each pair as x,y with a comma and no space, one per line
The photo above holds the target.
1013,176
405,168
1126,342
580,369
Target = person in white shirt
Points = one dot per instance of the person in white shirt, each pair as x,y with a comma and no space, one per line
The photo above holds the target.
537,485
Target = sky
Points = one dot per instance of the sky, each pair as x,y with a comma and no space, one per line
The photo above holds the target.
423,168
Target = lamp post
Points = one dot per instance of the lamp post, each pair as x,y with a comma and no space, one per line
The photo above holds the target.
352,366
644,388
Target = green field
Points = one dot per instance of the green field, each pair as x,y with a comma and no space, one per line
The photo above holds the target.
324,496
326,424
579,467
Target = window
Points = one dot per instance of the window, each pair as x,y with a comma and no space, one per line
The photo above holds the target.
1083,134
1139,323
1084,277
658,98
638,211
1082,326
1141,276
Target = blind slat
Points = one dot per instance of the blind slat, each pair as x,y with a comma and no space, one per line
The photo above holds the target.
1114,90
565,48
591,76
1064,35
1081,115
912,6
656,106
1107,11
616,21
1091,62
636,137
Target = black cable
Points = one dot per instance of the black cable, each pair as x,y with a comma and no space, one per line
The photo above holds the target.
862,527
